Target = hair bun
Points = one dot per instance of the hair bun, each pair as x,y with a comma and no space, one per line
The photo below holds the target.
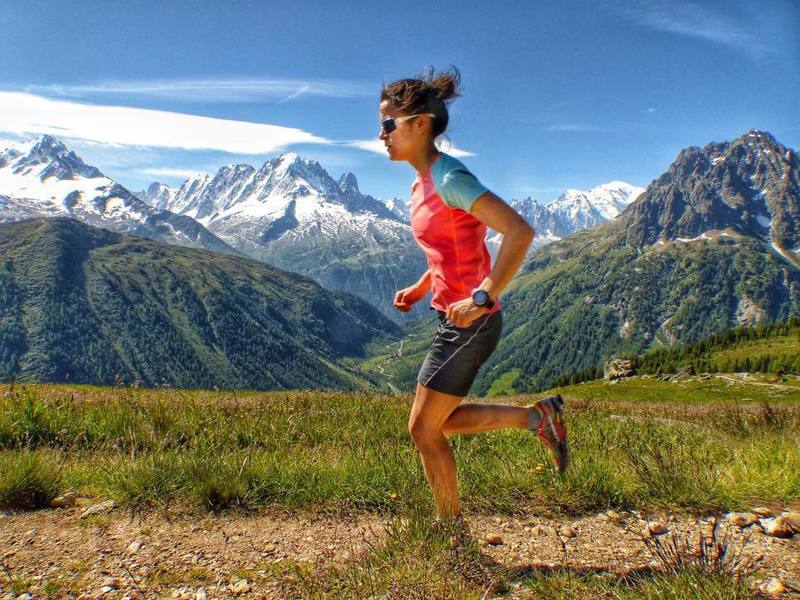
445,85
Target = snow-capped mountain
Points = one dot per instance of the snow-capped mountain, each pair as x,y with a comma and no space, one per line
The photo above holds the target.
42,178
291,213
572,211
158,195
400,207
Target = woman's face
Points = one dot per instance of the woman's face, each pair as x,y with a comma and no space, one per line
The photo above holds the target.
404,141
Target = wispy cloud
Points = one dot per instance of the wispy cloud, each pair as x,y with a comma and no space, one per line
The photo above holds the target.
22,114
558,105
180,173
697,20
578,127
212,90
378,147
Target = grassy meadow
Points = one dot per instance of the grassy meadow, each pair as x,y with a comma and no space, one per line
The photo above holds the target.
699,445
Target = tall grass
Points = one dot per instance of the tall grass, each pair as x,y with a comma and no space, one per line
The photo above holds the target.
333,451
28,479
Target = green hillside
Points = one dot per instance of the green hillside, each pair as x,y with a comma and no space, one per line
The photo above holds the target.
591,298
588,297
81,304
771,348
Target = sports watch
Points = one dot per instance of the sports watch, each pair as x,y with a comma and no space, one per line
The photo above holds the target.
482,298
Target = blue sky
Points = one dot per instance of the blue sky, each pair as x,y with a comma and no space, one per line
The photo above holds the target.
556,95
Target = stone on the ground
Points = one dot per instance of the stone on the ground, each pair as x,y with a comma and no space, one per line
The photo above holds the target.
134,547
99,509
65,501
240,587
776,527
773,587
763,512
656,528
538,530
612,516
792,520
742,519
494,539
111,582
569,531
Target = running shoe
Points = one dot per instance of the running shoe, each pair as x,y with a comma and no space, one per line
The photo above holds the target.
552,429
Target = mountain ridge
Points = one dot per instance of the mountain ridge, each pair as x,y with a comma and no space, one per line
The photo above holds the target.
43,178
91,305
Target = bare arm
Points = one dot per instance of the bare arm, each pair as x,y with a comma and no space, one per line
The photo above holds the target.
425,281
404,299
517,238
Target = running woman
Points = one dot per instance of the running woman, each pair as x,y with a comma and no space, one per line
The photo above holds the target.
450,211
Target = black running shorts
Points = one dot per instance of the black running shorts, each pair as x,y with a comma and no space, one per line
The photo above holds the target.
457,353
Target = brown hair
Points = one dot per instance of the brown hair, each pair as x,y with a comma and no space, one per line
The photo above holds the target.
427,93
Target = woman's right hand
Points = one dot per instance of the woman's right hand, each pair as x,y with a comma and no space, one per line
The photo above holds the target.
405,299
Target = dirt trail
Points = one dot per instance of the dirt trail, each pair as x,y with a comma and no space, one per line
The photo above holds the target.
120,555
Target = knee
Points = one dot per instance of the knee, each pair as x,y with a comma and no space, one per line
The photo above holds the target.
423,434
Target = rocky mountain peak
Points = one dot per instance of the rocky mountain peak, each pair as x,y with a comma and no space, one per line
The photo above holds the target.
55,159
348,183
751,185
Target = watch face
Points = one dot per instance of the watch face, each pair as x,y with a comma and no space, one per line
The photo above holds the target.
480,298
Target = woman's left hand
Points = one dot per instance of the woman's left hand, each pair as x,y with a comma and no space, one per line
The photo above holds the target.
464,312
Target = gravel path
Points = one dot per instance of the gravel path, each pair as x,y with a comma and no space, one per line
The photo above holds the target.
119,555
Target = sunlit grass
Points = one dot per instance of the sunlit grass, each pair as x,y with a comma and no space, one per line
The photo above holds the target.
329,451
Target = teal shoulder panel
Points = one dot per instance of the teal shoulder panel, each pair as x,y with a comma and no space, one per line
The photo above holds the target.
457,187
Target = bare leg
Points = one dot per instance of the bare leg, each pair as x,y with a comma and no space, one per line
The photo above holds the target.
430,410
474,418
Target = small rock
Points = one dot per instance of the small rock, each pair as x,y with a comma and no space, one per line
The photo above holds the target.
106,589
776,527
569,531
111,582
25,596
200,595
763,512
538,530
773,587
65,501
656,528
494,539
134,547
742,520
240,587
612,516
99,509
792,520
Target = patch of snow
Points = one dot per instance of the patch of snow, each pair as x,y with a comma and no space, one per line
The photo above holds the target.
764,221
702,236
